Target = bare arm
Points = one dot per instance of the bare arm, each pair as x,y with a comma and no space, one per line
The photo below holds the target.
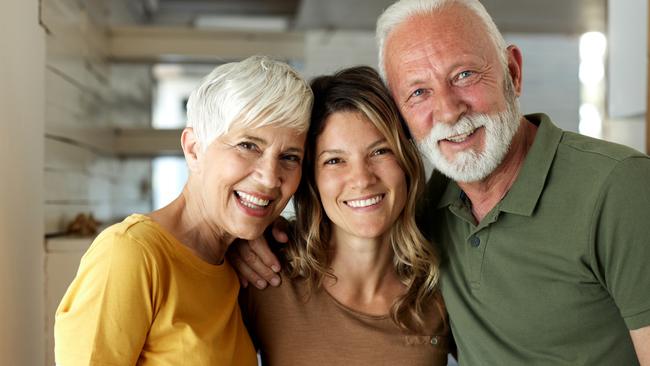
641,340
254,261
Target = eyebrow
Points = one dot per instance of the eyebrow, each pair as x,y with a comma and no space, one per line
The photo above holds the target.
261,141
294,150
256,139
339,151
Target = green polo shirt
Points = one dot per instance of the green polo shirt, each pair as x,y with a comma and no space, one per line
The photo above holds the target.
559,271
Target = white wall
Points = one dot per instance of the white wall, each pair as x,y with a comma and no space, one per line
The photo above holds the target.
22,62
328,51
628,57
550,76
627,72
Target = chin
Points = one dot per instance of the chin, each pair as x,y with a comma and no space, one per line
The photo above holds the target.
250,235
248,232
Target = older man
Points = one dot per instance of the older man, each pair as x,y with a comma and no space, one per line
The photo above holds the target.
546,233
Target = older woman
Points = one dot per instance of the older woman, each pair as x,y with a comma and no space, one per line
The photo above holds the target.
360,281
155,289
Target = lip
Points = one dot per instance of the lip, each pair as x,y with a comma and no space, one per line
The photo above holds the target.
260,211
371,207
471,140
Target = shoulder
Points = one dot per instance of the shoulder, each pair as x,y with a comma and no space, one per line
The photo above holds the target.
599,169
289,291
617,170
594,151
134,241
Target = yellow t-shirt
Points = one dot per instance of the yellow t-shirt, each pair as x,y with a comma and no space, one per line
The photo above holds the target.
140,296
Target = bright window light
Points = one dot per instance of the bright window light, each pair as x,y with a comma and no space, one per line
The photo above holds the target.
591,123
592,46
169,177
591,72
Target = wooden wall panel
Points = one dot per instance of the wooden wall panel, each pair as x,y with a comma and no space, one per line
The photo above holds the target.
83,109
77,180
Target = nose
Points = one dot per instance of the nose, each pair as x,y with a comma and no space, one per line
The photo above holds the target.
267,172
362,175
448,106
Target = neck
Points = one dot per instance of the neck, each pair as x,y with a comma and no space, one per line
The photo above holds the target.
188,221
487,193
365,275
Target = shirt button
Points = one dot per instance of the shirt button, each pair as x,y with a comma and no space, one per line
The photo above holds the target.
434,341
475,241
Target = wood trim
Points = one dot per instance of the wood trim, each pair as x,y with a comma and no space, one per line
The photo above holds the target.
155,44
147,142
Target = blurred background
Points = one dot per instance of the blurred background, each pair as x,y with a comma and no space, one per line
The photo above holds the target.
93,92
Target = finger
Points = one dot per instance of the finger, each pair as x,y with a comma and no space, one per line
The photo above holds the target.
245,273
280,233
257,255
279,230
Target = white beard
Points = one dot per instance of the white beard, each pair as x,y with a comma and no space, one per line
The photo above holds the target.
471,165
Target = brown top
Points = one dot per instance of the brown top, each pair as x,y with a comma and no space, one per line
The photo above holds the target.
291,329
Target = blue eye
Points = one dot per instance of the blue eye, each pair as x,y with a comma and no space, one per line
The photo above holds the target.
465,74
417,92
292,158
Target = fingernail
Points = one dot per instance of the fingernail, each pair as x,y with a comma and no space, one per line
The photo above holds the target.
275,281
260,284
275,268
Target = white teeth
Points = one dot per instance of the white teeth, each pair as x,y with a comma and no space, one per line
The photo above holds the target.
460,137
366,202
252,201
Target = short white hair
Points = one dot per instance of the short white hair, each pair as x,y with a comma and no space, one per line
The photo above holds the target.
252,93
402,10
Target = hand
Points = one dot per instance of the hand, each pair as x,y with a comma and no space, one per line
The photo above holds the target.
253,259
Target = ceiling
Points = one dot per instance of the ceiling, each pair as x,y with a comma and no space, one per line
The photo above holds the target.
547,16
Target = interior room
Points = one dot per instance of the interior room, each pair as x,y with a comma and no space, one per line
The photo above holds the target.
93,96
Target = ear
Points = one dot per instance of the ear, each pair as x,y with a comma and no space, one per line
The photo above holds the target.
515,61
191,148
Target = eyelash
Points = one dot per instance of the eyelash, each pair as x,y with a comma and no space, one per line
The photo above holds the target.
292,158
382,151
332,161
245,145
459,78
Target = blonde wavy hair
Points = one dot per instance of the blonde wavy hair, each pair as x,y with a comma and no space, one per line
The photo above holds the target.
360,89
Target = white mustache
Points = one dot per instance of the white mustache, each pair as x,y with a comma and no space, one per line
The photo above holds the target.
465,124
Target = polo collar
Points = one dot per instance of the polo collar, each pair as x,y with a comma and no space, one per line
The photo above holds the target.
524,194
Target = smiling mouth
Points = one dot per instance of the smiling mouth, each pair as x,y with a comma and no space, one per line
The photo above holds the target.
365,202
461,137
251,201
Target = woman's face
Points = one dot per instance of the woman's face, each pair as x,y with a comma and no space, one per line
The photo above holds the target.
248,176
361,184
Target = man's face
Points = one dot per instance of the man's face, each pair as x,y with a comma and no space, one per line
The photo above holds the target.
446,76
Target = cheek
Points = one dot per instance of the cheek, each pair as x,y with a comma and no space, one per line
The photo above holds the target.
395,177
484,99
327,189
291,182
418,119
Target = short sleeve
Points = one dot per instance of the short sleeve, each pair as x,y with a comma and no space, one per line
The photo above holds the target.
622,239
105,315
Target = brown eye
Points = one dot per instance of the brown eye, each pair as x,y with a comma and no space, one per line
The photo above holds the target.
332,161
249,146
382,151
